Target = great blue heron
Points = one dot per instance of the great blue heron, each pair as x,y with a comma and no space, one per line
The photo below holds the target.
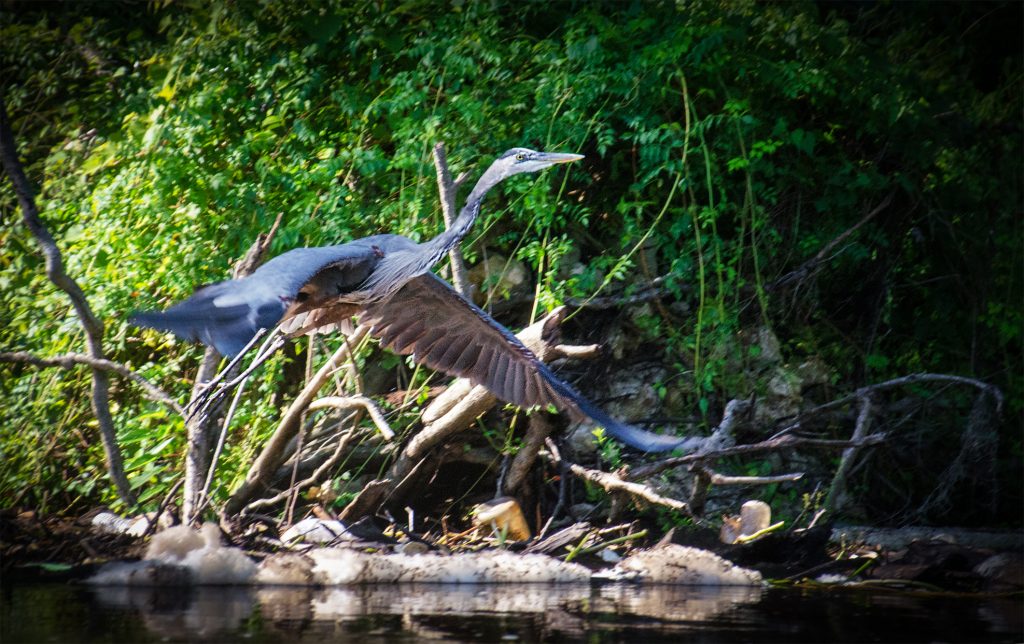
385,281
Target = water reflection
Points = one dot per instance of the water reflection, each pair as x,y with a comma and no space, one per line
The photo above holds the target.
183,613
556,608
367,614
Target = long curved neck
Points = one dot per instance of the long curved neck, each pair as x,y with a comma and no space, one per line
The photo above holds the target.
451,237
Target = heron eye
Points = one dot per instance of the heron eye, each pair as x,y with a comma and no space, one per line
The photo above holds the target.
520,156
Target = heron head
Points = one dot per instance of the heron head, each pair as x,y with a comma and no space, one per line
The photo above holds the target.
519,160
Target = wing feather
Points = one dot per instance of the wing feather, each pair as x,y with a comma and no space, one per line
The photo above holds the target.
446,332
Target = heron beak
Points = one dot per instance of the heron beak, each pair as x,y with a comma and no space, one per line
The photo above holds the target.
559,157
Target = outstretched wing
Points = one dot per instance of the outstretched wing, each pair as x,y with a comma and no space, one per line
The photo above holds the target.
227,315
444,331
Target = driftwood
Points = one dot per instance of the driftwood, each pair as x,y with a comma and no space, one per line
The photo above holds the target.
91,325
613,483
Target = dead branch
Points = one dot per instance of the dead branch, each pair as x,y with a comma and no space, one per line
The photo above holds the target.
699,492
366,501
612,483
201,456
70,360
446,189
773,444
198,431
974,464
206,403
723,479
272,456
806,269
736,411
90,323
563,487
356,402
915,378
864,418
537,430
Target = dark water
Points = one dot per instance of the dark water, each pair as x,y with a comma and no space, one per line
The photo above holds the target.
527,613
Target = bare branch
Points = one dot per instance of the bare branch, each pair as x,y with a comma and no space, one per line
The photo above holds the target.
864,418
537,430
714,478
613,483
313,478
70,360
273,452
774,444
806,269
915,378
90,323
356,402
446,189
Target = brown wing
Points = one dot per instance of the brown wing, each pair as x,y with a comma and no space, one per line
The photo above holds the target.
446,332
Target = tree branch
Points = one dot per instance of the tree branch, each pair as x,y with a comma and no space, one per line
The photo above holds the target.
90,323
804,271
864,418
447,188
200,456
914,378
774,444
613,483
356,402
70,360
537,430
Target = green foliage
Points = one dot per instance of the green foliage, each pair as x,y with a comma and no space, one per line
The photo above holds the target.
726,142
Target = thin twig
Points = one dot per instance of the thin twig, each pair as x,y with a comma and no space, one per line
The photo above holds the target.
209,398
206,389
563,483
70,360
151,526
